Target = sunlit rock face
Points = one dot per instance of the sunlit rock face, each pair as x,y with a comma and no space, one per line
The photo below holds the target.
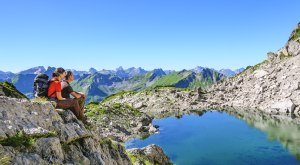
34,133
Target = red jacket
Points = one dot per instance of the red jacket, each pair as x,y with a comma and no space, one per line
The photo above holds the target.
54,87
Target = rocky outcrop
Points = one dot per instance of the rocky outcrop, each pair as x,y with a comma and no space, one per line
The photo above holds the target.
292,48
158,102
120,121
148,155
34,133
272,86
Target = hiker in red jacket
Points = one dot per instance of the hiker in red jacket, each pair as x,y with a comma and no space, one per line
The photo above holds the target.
54,93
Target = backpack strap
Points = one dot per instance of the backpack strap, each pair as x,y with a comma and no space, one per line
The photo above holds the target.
52,94
49,82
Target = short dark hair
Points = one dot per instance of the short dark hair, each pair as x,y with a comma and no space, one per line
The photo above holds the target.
69,74
58,71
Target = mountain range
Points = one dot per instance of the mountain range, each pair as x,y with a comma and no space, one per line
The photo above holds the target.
99,84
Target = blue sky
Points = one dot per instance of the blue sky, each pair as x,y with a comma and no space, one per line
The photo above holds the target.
168,34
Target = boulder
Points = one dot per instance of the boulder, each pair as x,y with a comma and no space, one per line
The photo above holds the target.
271,56
286,106
50,149
153,154
294,47
28,159
33,119
260,73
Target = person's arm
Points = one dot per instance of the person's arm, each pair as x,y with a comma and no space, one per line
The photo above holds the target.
76,95
59,97
82,94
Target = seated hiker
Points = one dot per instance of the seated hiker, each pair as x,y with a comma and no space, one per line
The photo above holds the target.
54,93
67,90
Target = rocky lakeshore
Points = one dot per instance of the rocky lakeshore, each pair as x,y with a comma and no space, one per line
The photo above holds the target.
34,132
119,121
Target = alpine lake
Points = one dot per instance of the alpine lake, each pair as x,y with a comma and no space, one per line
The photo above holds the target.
226,137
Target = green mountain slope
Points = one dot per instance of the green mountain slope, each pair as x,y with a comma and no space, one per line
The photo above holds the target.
189,79
9,90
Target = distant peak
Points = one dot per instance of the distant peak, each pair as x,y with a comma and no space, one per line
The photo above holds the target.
120,68
198,69
158,69
93,70
34,70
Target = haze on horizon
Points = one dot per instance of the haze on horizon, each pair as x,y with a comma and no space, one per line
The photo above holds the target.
169,34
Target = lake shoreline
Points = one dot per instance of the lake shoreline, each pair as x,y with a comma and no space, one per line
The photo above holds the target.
248,117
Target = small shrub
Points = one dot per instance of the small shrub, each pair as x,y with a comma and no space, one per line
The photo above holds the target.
116,105
40,99
138,159
107,141
18,140
295,35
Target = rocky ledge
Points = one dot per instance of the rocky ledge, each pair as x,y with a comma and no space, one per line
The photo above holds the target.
34,133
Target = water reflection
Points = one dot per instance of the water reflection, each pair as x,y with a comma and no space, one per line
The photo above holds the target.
284,129
280,128
230,132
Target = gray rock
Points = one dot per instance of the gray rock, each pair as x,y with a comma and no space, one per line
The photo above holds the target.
50,150
271,56
260,73
284,106
139,105
6,155
28,159
72,142
293,47
18,116
74,155
71,132
34,131
153,153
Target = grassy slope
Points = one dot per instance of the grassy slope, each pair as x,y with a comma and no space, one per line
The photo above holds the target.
10,90
170,80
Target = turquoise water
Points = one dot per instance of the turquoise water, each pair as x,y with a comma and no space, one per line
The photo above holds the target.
219,138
